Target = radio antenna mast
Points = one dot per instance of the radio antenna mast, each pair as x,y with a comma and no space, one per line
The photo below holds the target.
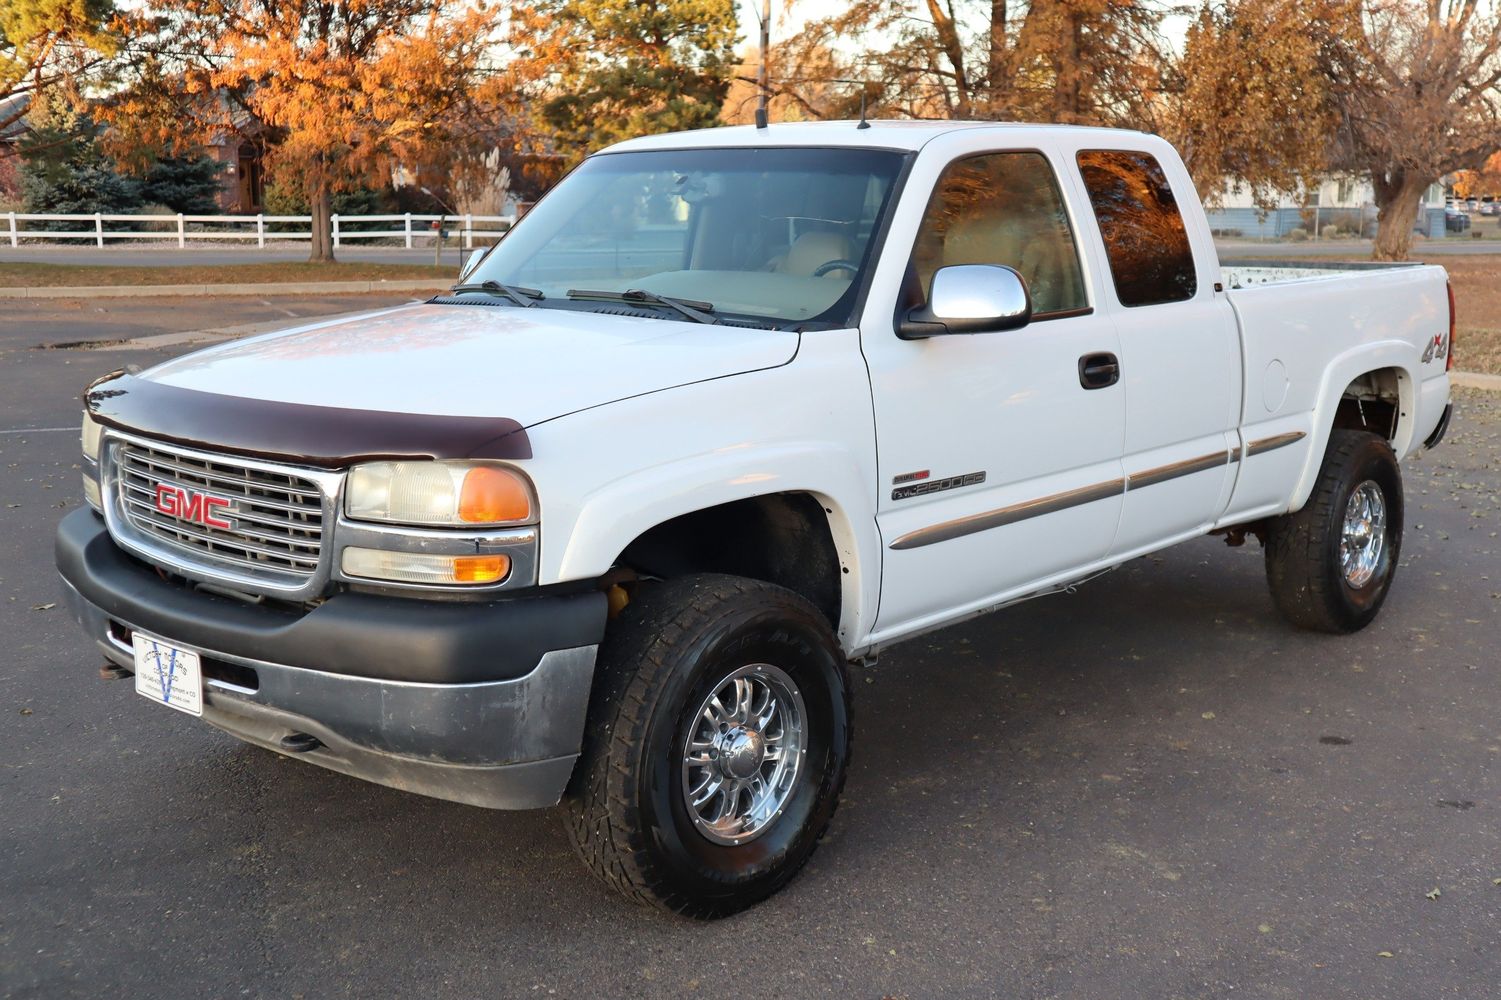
761,80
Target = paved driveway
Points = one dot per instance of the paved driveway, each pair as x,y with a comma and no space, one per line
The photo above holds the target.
1151,788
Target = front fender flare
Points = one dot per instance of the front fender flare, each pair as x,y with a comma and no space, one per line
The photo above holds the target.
613,516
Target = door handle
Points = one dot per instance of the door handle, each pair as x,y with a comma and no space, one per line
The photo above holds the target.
1096,371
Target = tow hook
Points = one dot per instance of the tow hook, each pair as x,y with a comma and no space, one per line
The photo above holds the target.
300,742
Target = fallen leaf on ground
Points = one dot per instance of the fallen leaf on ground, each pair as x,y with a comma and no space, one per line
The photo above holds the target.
1434,893
44,607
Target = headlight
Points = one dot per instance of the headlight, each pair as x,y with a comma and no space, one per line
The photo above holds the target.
452,494
91,433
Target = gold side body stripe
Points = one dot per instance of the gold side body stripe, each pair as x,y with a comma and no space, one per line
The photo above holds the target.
1261,445
1173,470
1008,515
984,521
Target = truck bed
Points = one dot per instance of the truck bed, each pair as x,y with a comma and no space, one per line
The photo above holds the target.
1308,332
1245,273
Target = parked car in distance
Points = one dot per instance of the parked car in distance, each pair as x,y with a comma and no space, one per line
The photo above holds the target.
1488,208
1456,221
725,412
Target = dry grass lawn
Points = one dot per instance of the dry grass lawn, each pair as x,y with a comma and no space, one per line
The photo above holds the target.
1477,308
53,275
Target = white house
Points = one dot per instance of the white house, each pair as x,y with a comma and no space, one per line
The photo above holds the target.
1346,204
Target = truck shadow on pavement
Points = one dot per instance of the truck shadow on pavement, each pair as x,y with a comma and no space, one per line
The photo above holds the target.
1090,694
1079,796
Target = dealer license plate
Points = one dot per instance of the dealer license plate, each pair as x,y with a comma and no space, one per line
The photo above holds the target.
167,674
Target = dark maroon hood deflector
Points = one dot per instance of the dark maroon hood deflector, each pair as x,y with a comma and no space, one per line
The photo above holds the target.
324,436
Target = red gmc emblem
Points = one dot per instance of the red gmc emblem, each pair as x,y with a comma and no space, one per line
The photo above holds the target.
189,506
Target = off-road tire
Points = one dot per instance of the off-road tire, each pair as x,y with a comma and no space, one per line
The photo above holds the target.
1303,563
624,809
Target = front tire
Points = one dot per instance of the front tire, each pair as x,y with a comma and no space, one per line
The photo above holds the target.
717,745
1331,564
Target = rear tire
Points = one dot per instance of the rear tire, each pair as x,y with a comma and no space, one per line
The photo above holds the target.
1331,564
661,736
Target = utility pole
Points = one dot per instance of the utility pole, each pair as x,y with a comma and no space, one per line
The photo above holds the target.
761,77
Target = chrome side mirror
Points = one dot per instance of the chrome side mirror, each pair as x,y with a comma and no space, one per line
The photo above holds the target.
474,260
970,298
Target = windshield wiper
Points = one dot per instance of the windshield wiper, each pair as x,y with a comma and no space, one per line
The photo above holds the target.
694,310
525,297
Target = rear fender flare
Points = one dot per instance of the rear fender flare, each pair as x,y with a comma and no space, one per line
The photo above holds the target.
612,517
1395,355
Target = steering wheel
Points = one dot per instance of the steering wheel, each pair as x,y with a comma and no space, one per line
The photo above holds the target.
835,265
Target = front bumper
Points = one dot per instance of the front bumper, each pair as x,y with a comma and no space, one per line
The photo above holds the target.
477,703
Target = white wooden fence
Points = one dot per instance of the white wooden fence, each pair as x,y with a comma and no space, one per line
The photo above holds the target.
184,228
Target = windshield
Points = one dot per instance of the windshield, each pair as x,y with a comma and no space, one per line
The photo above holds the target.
778,235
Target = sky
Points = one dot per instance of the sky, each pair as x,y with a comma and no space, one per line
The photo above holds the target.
785,18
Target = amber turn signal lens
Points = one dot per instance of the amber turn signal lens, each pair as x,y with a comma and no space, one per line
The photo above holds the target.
424,567
493,496
480,569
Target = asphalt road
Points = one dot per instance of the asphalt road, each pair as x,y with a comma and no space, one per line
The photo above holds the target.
1151,788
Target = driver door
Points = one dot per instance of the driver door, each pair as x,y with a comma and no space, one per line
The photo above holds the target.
999,469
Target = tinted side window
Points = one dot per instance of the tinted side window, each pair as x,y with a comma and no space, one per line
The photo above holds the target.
1003,208
1144,236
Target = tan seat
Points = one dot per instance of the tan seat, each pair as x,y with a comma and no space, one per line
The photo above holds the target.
810,251
1034,243
985,239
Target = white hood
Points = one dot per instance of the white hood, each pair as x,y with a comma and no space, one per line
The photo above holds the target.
478,361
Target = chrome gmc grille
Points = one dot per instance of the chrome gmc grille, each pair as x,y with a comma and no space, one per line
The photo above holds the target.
275,515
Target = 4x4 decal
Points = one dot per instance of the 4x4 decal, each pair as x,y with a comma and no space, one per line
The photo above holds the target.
1438,347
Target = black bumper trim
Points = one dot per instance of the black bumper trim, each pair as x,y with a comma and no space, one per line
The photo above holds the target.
360,635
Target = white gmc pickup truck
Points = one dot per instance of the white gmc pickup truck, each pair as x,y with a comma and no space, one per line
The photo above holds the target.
724,412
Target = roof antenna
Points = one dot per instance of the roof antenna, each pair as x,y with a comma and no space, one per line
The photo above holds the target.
761,72
863,122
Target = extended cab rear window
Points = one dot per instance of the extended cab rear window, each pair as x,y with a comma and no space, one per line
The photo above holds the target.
1145,240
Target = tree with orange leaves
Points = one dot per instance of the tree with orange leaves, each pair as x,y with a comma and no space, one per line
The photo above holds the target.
1486,181
350,90
1069,61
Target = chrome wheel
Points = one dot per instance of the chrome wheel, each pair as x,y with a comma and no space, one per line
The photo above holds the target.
742,755
1363,539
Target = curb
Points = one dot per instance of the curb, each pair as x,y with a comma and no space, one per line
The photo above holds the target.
245,288
1476,380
